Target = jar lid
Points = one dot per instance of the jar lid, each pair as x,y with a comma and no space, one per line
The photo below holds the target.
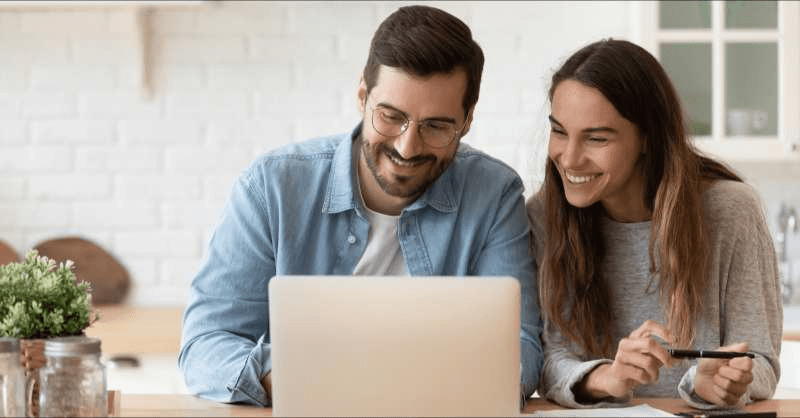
9,345
71,346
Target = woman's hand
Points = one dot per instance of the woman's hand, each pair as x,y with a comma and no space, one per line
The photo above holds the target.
724,381
638,360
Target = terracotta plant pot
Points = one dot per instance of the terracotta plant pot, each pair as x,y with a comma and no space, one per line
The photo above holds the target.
32,359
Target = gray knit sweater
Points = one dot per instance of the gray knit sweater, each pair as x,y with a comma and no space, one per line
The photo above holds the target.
741,304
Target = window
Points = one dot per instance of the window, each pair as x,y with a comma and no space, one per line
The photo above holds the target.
737,68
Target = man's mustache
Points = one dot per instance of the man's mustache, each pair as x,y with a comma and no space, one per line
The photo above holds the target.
419,159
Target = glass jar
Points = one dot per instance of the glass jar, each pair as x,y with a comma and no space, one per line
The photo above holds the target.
73,382
12,379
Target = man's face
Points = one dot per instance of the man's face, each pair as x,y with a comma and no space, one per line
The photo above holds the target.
402,167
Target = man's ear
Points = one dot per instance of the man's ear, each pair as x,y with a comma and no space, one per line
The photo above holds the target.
468,121
362,95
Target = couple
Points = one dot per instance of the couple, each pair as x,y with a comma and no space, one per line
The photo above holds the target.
633,241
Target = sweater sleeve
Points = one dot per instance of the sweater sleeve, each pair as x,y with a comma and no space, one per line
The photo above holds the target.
749,291
564,368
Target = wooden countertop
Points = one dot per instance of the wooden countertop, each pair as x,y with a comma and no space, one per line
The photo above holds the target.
136,330
188,405
139,330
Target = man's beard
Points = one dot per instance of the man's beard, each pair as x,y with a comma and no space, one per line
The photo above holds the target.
401,186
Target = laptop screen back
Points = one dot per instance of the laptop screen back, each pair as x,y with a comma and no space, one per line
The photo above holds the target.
395,346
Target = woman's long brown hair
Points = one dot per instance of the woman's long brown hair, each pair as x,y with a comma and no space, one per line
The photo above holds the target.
572,292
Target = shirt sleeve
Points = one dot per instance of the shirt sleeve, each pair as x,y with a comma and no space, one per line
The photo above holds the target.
225,347
751,310
507,253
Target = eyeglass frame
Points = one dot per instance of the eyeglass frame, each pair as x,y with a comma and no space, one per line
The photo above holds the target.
407,123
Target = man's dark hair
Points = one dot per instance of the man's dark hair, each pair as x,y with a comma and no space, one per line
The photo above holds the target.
424,41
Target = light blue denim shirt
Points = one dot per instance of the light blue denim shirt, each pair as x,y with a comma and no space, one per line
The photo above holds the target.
296,210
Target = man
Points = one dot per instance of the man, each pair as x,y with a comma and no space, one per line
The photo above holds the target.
398,195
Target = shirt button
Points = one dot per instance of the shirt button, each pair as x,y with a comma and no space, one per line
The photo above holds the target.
351,239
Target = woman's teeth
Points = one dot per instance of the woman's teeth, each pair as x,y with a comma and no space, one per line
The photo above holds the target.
580,179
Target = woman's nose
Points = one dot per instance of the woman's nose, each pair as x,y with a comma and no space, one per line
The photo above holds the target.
571,154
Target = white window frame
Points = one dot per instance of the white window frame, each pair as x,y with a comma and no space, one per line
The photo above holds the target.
785,146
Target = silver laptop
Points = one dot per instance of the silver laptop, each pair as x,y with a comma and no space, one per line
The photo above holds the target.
395,346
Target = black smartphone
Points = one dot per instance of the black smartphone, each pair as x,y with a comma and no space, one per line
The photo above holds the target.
726,413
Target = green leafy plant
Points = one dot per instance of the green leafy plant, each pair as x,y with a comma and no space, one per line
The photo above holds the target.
39,299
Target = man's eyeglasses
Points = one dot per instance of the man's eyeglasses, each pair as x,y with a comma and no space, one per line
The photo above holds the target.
392,123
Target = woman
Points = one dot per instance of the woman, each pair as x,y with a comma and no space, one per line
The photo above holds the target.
642,244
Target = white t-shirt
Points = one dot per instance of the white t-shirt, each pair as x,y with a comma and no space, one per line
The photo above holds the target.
382,257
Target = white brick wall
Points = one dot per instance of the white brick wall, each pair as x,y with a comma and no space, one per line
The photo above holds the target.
84,152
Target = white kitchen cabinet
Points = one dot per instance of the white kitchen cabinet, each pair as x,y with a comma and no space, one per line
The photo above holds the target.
736,65
789,384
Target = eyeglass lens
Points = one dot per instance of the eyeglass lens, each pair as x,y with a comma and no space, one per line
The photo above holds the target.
389,122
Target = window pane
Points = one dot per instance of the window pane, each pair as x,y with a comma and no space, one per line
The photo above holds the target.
751,14
684,14
751,87
689,67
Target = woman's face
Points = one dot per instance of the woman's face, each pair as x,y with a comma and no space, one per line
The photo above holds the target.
598,153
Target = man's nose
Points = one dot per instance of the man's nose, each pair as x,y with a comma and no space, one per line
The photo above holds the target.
409,144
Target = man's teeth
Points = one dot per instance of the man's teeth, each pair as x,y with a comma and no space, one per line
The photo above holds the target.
402,163
579,179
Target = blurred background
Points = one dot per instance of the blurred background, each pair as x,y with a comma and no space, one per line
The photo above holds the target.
126,122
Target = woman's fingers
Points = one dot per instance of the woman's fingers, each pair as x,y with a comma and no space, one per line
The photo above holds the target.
650,328
724,382
640,356
725,397
740,371
647,346
735,377
643,355
732,387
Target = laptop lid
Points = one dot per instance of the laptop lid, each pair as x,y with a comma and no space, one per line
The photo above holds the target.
395,346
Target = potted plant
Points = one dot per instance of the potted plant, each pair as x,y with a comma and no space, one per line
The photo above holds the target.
41,300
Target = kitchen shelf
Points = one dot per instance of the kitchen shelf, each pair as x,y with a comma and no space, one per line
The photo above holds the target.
83,4
141,11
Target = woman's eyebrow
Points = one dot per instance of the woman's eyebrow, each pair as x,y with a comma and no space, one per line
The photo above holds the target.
555,121
600,129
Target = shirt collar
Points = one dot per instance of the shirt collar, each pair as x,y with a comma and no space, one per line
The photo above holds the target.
342,193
